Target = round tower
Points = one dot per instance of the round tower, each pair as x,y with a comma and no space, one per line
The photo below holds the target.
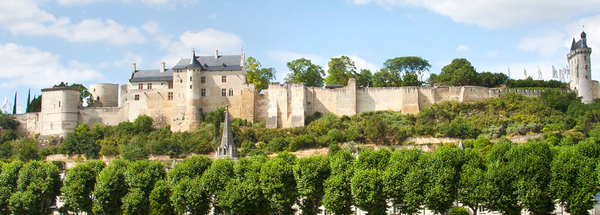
60,110
192,94
105,95
581,69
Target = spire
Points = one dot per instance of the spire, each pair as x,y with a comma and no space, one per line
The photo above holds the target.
194,60
227,147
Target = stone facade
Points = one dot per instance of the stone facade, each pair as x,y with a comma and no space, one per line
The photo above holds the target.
182,95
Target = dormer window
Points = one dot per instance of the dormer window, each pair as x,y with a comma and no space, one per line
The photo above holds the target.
224,65
205,65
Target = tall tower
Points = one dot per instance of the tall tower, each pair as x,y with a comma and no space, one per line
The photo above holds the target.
227,147
192,95
581,69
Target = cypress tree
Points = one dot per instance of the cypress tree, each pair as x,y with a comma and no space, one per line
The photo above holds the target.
15,104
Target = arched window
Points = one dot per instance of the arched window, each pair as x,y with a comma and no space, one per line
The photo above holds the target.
230,92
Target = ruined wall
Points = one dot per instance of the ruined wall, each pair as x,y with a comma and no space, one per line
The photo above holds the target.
261,107
105,116
29,123
595,89
474,93
378,98
287,105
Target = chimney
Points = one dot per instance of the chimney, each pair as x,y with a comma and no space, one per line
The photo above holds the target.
162,66
133,71
216,54
243,59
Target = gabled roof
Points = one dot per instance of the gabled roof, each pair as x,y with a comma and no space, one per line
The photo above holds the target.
151,75
210,63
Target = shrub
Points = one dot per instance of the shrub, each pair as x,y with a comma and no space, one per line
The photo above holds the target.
401,135
277,144
336,136
459,211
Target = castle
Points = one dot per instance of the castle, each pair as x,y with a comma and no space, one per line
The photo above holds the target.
182,95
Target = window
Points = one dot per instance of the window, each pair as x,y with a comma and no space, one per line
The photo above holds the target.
170,85
149,86
203,79
585,67
58,103
190,78
136,97
223,92
190,87
203,92
140,86
585,77
224,79
230,92
170,95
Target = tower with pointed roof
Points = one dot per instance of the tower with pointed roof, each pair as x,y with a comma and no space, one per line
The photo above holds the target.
581,69
227,147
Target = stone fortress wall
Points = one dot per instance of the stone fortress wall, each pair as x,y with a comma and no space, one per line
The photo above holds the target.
289,104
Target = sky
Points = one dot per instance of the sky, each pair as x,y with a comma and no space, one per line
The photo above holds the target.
45,42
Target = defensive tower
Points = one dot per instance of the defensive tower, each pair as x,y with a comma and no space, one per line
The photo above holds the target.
581,69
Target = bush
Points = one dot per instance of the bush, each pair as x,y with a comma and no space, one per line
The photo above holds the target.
336,136
401,135
277,145
459,211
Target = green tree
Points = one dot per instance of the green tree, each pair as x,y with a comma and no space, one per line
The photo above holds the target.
573,180
341,69
244,194
8,184
261,77
278,183
472,185
502,193
79,183
38,185
385,78
216,178
338,192
310,174
8,122
368,186
160,199
35,105
364,78
191,167
140,177
411,79
401,66
532,163
444,175
191,196
416,183
395,175
110,188
302,70
458,73
84,94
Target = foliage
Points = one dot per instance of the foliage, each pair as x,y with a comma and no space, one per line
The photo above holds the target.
160,202
402,66
310,173
38,185
364,78
8,122
35,105
338,193
444,175
302,70
278,183
573,180
472,184
340,70
458,73
459,211
78,185
110,188
261,77
244,194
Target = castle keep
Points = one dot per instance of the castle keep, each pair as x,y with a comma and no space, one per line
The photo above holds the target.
181,96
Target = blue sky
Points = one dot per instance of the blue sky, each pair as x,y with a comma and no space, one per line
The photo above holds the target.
44,42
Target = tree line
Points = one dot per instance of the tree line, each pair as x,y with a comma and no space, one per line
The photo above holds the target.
396,72
559,116
501,176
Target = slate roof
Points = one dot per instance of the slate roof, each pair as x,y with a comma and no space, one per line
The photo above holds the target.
582,43
210,63
151,75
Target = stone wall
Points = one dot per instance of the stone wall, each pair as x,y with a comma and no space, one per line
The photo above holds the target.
104,116
29,123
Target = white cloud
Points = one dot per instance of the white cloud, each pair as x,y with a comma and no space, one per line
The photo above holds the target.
28,66
204,42
546,42
24,17
462,48
152,27
497,14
